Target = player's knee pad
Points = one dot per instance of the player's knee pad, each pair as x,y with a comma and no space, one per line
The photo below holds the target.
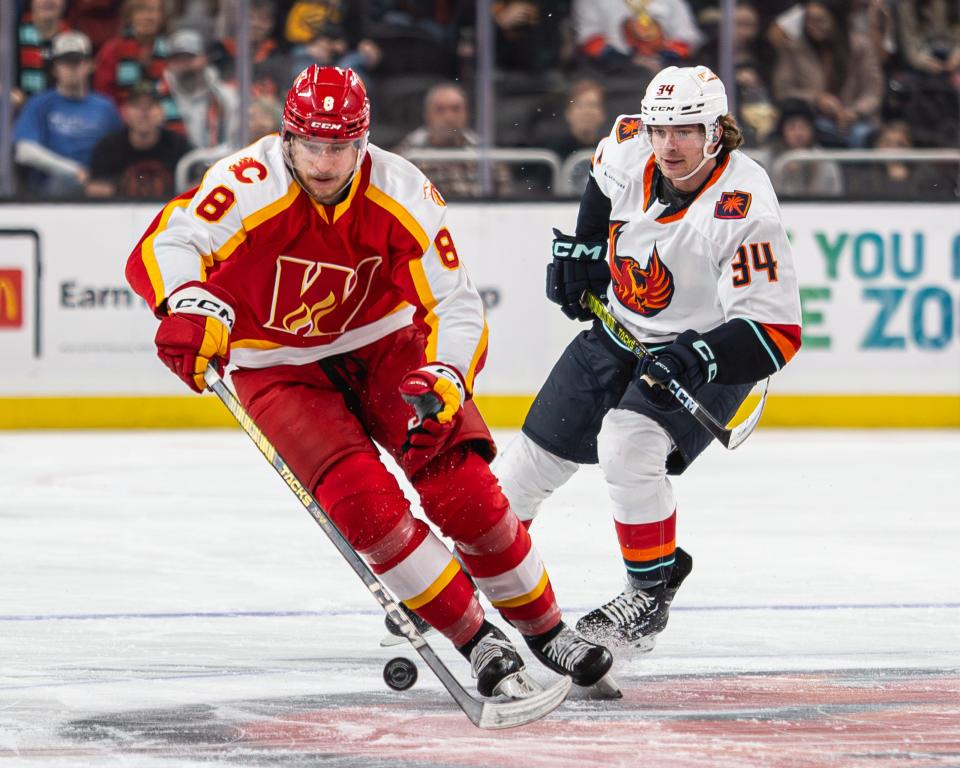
528,474
633,451
460,495
364,500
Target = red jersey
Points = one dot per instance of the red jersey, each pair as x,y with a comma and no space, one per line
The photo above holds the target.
309,280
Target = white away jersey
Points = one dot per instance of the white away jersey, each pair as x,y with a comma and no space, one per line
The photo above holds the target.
724,256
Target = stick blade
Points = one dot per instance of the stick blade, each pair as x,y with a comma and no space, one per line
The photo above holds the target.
742,431
496,715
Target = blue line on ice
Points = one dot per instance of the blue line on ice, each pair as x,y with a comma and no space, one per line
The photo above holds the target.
355,612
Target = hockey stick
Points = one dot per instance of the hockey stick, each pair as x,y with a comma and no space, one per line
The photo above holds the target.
482,713
728,438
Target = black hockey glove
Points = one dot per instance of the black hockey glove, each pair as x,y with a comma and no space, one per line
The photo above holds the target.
688,360
577,265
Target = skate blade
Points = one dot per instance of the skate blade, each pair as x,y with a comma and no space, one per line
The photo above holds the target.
643,645
389,640
605,688
519,685
513,712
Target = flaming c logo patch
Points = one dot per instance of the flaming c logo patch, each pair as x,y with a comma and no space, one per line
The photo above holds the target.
733,205
240,170
645,290
627,129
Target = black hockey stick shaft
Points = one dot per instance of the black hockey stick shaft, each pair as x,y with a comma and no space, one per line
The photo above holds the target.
728,438
483,714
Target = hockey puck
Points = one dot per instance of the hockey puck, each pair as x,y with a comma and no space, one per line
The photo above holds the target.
400,673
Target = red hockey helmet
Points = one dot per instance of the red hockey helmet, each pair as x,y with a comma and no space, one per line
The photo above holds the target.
327,104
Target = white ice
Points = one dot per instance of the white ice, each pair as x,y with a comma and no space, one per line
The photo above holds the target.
166,601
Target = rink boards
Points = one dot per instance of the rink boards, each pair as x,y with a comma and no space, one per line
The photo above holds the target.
880,290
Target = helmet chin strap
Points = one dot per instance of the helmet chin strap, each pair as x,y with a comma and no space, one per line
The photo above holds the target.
708,139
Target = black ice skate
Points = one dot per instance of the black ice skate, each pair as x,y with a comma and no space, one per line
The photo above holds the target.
395,635
635,617
566,653
497,666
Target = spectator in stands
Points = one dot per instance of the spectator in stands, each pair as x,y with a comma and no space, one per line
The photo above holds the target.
138,53
57,130
139,160
205,106
339,20
420,36
584,123
929,36
898,180
617,35
752,59
926,86
271,69
264,116
795,131
446,120
528,34
35,36
97,19
330,47
835,71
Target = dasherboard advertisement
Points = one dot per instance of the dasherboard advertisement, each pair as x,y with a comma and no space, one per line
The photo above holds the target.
880,290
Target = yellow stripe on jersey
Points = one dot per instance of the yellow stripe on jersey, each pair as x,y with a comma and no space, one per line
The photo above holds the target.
418,601
429,302
400,213
254,220
254,344
529,597
481,348
344,204
149,256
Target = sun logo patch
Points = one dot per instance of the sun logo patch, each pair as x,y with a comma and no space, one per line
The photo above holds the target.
240,168
733,205
628,128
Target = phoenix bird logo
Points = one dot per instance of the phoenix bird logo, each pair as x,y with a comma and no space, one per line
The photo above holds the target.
645,290
628,128
732,205
239,170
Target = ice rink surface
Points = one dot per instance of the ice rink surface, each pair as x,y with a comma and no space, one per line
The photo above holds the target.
166,601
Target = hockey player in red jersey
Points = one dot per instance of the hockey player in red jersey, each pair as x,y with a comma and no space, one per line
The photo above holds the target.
683,233
321,267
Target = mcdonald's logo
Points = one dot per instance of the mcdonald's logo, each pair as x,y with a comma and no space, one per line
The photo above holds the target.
11,298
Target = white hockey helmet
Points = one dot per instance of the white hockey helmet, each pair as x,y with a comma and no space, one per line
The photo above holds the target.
686,96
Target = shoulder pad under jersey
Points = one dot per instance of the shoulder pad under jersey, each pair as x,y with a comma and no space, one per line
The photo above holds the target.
742,193
256,175
403,189
621,156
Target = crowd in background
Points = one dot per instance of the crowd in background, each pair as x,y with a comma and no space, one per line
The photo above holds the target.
111,94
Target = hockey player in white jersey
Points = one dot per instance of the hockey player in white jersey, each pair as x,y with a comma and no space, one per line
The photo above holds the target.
682,232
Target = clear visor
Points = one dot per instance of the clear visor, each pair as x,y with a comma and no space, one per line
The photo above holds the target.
320,147
682,134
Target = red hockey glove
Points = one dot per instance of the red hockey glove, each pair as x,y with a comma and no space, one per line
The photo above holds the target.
196,331
436,393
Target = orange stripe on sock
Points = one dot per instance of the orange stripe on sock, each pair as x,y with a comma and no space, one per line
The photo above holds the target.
649,553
